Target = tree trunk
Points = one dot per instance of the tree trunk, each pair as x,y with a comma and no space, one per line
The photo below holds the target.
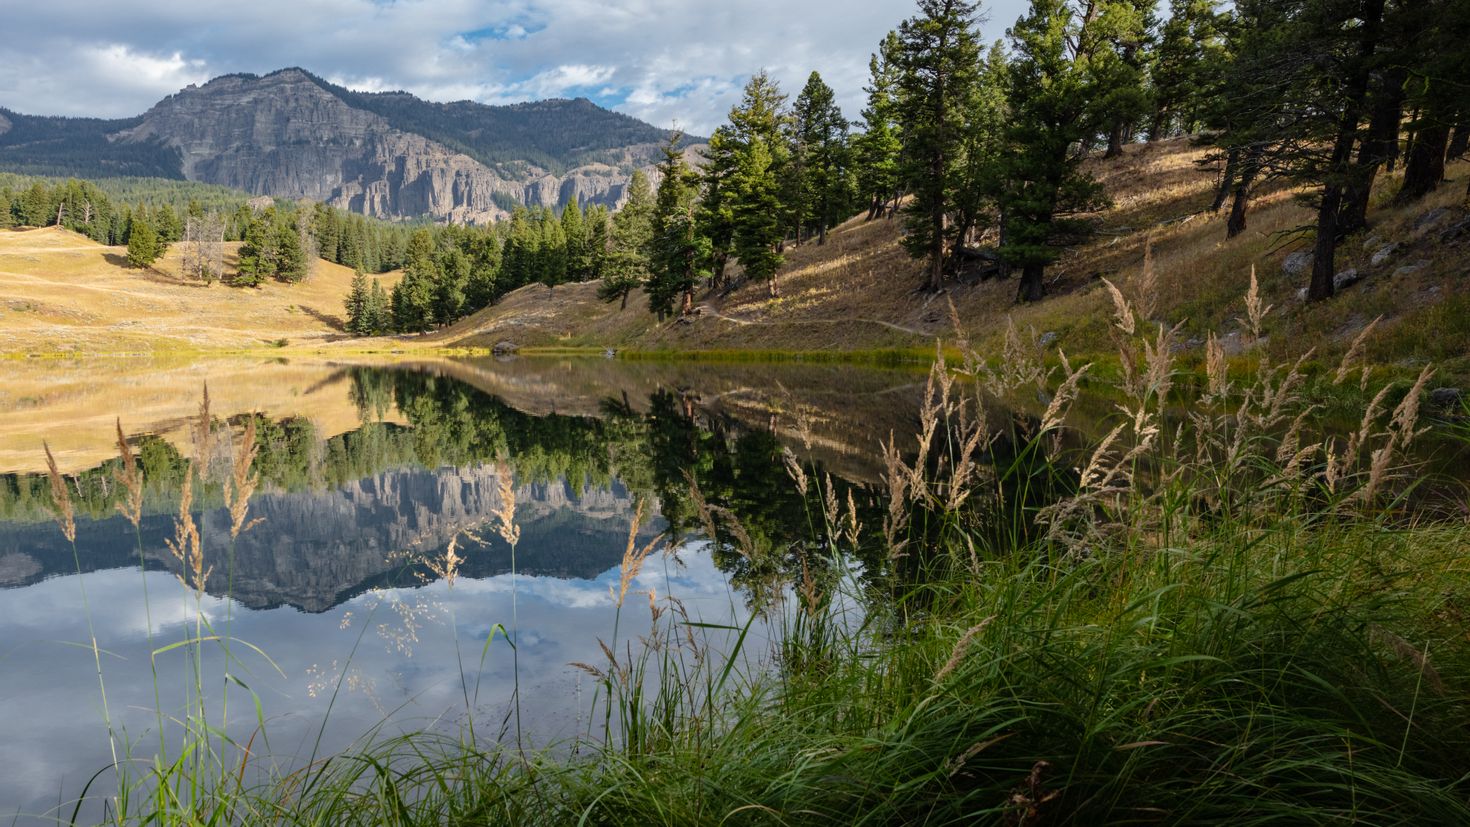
1379,146
771,288
686,306
1115,139
1424,166
1227,178
1356,87
1032,288
1459,142
1235,225
624,305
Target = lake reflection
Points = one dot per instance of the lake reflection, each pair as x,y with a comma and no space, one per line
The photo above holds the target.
339,583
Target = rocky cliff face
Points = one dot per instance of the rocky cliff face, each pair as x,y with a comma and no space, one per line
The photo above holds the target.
287,136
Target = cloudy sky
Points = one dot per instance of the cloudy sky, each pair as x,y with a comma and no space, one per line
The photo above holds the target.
669,62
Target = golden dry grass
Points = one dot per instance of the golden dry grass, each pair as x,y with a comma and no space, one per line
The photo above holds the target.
61,292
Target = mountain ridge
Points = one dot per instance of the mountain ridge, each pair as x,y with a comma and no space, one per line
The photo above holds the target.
292,134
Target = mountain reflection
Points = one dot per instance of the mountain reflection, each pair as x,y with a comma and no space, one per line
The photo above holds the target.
360,510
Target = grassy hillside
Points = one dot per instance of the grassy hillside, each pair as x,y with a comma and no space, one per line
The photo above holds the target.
861,291
61,292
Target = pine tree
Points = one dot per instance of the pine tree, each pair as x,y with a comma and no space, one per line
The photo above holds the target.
170,228
819,133
756,209
939,67
357,305
1050,112
678,253
291,259
379,313
716,205
626,267
450,290
877,150
757,213
574,232
259,252
143,244
413,297
1118,58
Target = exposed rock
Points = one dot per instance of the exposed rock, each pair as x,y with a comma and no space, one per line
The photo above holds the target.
1296,264
1460,229
1431,219
1346,278
1384,254
1301,294
1446,398
1370,242
505,347
286,136
1407,269
1048,338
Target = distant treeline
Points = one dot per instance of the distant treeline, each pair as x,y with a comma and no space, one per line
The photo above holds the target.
108,211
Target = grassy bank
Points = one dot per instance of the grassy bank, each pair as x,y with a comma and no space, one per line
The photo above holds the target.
1226,615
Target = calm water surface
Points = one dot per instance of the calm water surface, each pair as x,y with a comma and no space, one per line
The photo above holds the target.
368,475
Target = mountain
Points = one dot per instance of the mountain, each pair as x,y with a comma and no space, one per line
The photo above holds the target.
290,134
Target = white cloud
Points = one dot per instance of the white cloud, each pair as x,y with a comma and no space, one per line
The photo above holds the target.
660,60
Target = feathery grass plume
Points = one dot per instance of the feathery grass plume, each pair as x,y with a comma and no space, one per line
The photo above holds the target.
794,470
633,555
852,529
896,476
240,485
505,509
809,591
961,340
186,545
961,648
1146,291
830,510
1061,401
1255,310
130,477
447,569
60,498
1216,368
1354,351
1123,318
1158,361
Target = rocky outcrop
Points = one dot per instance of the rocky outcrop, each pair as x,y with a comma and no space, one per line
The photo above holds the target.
286,135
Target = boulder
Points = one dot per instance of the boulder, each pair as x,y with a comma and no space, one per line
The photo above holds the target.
1298,263
1431,218
1446,398
1347,278
1048,338
1408,269
503,346
1384,254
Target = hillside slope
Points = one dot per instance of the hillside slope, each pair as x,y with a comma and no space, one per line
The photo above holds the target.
61,292
861,290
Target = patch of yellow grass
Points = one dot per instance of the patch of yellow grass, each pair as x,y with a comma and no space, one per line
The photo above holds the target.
61,292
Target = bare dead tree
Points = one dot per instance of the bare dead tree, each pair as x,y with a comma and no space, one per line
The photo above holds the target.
204,242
